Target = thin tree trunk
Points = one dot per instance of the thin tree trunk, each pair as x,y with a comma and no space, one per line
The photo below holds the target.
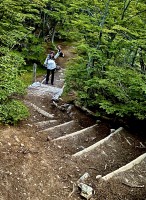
102,22
134,57
53,33
125,8
44,21
142,64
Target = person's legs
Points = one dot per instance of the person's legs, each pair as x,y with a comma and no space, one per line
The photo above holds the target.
52,76
47,77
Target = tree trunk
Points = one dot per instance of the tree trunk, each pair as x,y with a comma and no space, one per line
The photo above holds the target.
102,22
125,8
134,57
142,64
53,33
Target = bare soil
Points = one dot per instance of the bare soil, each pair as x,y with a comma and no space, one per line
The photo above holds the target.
34,168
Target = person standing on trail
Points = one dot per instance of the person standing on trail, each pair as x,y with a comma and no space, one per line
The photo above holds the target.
59,52
51,66
49,56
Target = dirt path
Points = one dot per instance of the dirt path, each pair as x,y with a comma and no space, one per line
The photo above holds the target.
30,166
35,167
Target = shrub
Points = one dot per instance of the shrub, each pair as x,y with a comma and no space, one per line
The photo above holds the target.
13,111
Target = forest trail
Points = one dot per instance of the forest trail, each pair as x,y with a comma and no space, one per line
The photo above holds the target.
46,155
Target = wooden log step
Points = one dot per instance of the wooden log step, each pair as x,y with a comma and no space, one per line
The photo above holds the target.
46,124
62,129
125,172
81,139
92,147
127,182
39,110
110,153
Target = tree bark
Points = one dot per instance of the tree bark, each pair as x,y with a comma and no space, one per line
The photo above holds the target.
142,64
134,57
125,8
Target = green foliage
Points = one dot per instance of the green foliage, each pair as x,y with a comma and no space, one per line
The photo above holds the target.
117,91
19,45
11,87
108,73
34,51
123,92
27,75
9,82
13,111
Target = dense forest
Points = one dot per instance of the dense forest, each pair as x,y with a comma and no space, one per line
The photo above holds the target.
108,72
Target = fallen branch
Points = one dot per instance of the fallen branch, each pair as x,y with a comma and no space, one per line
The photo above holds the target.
73,190
141,146
105,166
93,168
133,186
89,112
84,109
59,107
127,141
